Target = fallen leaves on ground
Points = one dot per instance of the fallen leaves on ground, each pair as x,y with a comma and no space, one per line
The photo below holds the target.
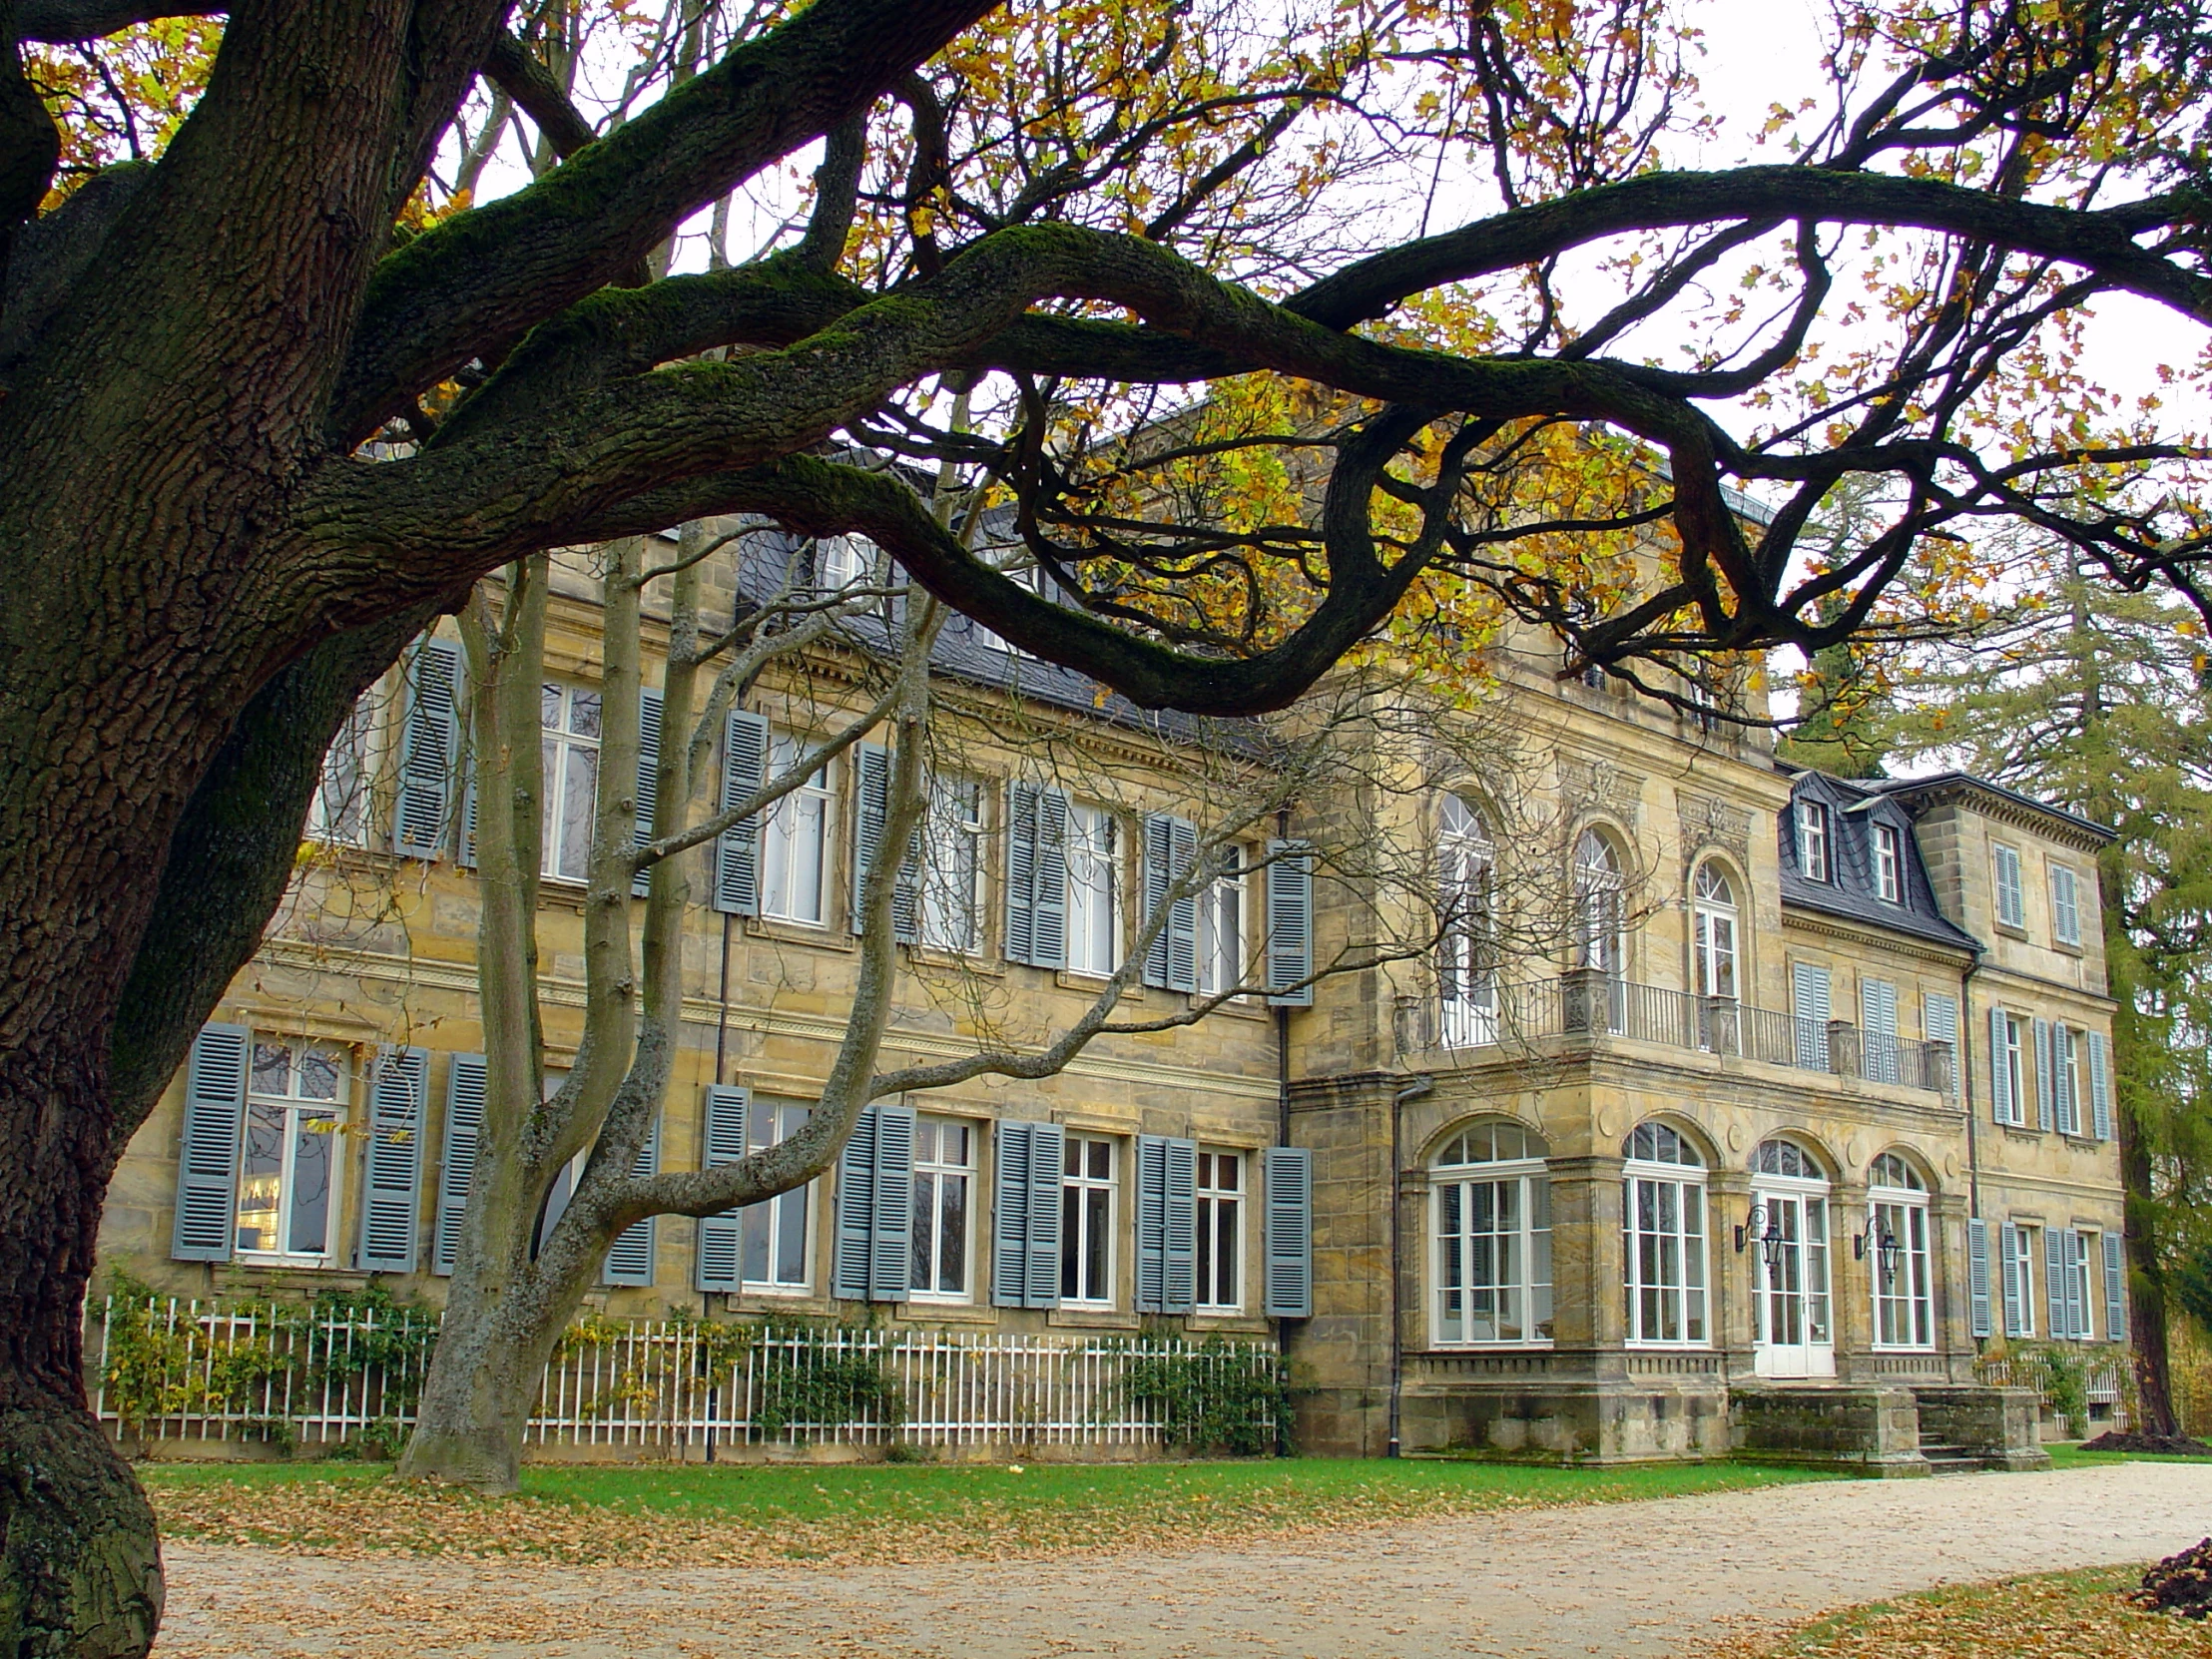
2073,1615
358,1518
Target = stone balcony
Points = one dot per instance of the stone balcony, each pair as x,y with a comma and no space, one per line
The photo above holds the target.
1585,1006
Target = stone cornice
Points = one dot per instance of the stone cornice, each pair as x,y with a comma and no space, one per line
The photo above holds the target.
460,978
1865,933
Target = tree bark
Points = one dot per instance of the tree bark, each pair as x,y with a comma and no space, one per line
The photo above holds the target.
2147,1333
80,1564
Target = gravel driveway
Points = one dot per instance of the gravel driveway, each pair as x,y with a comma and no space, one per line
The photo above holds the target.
1651,1578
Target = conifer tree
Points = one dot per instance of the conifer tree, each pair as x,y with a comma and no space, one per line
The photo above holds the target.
2101,701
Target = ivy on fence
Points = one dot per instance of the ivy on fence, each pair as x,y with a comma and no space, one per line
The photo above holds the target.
1210,1398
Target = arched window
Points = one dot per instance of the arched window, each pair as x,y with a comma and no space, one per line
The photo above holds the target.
1713,919
1792,1325
1465,964
1597,906
1663,1237
1896,1245
1493,1237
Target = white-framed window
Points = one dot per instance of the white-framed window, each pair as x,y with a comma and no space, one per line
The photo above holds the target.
2013,1056
569,746
1087,1187
1221,1191
773,1236
794,838
1713,919
1467,863
1889,863
1220,926
2011,895
953,865
339,813
2068,1087
945,1217
1599,888
2065,904
1663,1238
2081,1252
1094,890
1491,1214
843,562
1897,1255
1811,842
288,1163
2019,1249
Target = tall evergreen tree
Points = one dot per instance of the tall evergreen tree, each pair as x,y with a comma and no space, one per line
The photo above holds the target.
2103,701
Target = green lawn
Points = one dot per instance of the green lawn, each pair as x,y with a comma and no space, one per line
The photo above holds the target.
2070,1455
748,1512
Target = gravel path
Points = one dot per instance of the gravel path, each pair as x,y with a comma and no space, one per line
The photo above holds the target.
1645,1579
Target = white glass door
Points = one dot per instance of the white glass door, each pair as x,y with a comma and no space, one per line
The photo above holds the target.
1792,1306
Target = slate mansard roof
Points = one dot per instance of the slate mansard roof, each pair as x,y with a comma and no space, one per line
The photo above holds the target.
1853,810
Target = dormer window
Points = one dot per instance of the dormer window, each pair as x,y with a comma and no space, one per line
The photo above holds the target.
1889,863
1811,842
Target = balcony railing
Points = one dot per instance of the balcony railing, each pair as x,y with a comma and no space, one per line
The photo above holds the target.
1587,1002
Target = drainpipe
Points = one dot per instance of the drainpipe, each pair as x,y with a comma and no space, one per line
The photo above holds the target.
1412,1091
1965,1085
1282,1138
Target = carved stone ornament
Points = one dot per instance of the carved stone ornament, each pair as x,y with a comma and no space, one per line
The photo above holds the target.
1709,821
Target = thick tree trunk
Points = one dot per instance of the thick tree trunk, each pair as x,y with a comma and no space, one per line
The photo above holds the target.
80,1560
483,1385
2147,1335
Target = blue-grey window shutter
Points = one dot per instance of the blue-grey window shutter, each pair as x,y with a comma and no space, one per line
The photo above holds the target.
2115,1288
1289,920
464,1125
2054,1282
429,747
725,1144
1152,1223
872,795
1053,880
1010,1216
1181,1291
1940,1015
1809,992
1286,1200
648,771
1021,869
630,1259
1036,874
2012,1260
891,1232
1878,1018
2101,1086
1170,843
2002,1107
208,1155
1047,1147
2045,1076
1978,1273
854,1211
738,852
397,1093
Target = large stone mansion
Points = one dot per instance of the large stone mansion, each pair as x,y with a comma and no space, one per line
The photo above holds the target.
1811,1104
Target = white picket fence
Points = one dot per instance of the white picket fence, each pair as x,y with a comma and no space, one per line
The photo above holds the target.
196,1371
2101,1378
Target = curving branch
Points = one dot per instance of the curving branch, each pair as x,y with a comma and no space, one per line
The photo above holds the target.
474,284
